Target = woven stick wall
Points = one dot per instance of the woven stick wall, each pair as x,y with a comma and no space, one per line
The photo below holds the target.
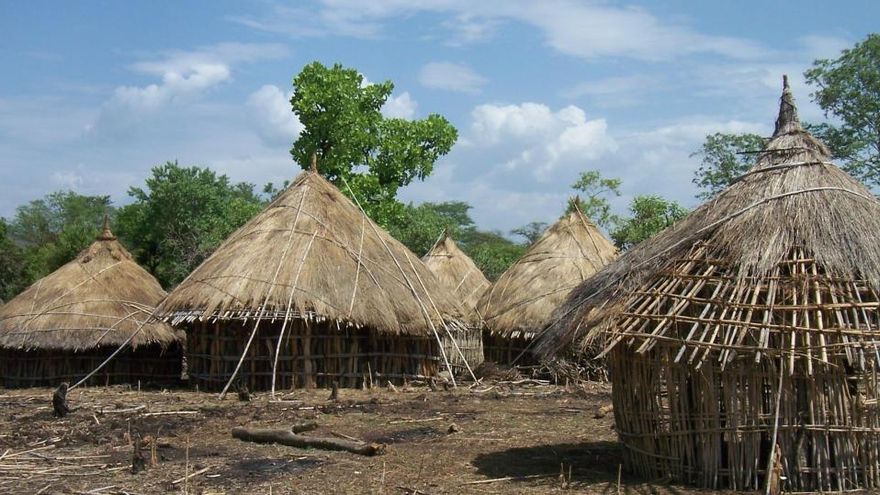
312,355
313,260
151,365
694,400
743,341
520,304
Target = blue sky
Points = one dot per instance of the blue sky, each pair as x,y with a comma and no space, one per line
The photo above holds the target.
94,94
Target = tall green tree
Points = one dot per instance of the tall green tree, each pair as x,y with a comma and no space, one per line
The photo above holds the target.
51,231
648,215
848,89
531,232
359,150
181,216
596,190
420,226
12,265
724,157
492,252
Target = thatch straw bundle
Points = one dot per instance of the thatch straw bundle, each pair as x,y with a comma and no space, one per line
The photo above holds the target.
66,323
743,340
520,303
458,273
332,296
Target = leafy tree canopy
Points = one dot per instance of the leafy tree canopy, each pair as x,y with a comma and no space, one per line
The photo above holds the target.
12,269
724,157
531,232
53,230
649,214
181,216
358,149
422,225
848,88
596,190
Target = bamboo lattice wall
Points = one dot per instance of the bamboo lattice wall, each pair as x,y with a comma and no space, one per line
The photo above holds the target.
149,364
705,358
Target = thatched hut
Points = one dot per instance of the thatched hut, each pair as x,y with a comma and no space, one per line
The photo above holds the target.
67,323
743,340
459,274
519,305
311,292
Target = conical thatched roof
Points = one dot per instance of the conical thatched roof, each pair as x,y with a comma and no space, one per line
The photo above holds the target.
458,272
314,254
98,299
794,210
522,300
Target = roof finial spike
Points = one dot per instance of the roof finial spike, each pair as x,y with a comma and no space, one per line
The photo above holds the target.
106,233
574,203
787,121
313,162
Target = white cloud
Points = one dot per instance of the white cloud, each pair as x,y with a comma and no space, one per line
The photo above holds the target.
820,46
185,75
532,139
67,179
174,85
400,107
581,29
275,121
451,77
466,29
615,92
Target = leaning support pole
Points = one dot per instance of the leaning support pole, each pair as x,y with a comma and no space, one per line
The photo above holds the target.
250,341
302,199
769,487
113,355
410,286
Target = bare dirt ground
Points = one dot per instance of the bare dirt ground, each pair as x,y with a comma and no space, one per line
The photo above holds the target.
511,439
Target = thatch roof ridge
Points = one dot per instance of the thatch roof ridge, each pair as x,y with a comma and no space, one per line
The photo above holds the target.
312,253
521,301
793,197
458,272
100,298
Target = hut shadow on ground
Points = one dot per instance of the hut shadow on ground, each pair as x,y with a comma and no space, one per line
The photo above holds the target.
593,464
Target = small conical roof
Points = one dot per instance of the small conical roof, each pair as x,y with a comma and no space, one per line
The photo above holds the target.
458,273
522,300
312,253
98,299
794,208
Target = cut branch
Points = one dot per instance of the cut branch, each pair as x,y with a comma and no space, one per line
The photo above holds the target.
291,438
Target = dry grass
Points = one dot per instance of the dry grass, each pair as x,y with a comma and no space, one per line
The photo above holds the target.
459,273
314,254
99,299
794,198
520,303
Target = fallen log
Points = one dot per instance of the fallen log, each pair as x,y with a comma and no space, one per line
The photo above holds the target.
292,439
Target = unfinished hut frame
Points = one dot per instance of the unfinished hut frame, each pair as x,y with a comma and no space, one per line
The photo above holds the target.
312,292
68,323
743,341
